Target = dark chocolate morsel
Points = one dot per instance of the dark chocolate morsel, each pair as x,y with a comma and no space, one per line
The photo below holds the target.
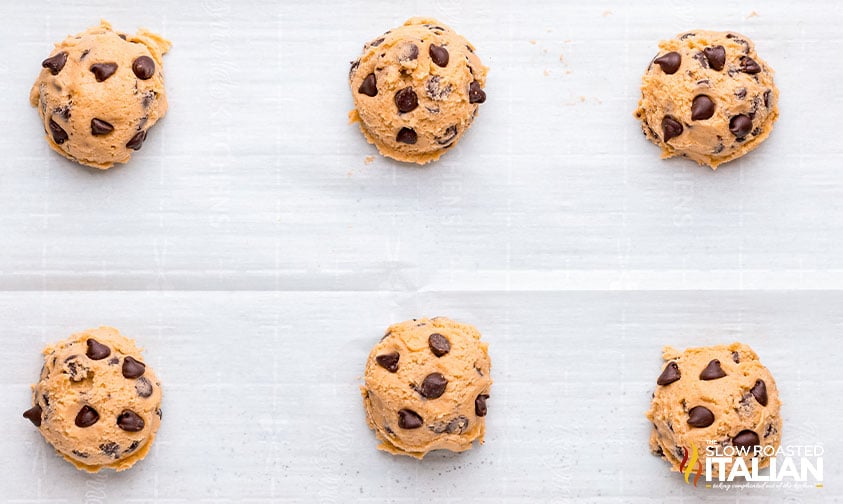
369,86
33,414
746,439
143,67
671,128
59,134
712,371
409,419
133,368
406,100
438,344
136,142
111,449
759,391
476,93
103,71
100,127
87,417
480,405
716,57
702,108
669,62
700,416
143,387
407,136
740,125
96,350
55,63
433,386
670,374
439,55
130,421
389,361
749,65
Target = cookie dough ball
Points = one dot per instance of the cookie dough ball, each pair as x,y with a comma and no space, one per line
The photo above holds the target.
97,402
707,96
719,396
427,383
100,92
416,90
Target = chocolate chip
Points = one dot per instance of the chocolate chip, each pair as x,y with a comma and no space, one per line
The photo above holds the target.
702,108
130,421
132,447
769,430
433,386
699,56
111,449
100,127
712,371
63,112
746,439
716,57
736,357
687,35
700,416
80,454
33,414
407,136
740,125
389,361
406,100
55,63
749,65
409,419
438,344
113,361
143,67
669,62
739,40
671,128
740,93
480,405
136,142
122,36
354,65
476,93
87,417
759,391
133,368
767,95
84,54
143,387
439,55
670,374
378,41
410,52
59,134
448,135
159,413
103,71
457,425
96,350
435,90
76,369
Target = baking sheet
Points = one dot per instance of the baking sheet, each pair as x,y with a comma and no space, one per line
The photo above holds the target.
257,254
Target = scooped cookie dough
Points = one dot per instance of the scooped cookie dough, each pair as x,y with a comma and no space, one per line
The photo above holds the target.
707,96
416,90
100,92
97,402
427,385
718,396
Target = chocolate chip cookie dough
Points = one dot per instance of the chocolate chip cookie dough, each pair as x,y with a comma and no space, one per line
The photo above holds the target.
100,92
707,96
416,90
714,397
97,402
427,384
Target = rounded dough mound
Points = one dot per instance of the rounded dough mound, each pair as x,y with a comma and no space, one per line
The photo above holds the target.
100,92
96,402
427,383
416,90
737,390
707,96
